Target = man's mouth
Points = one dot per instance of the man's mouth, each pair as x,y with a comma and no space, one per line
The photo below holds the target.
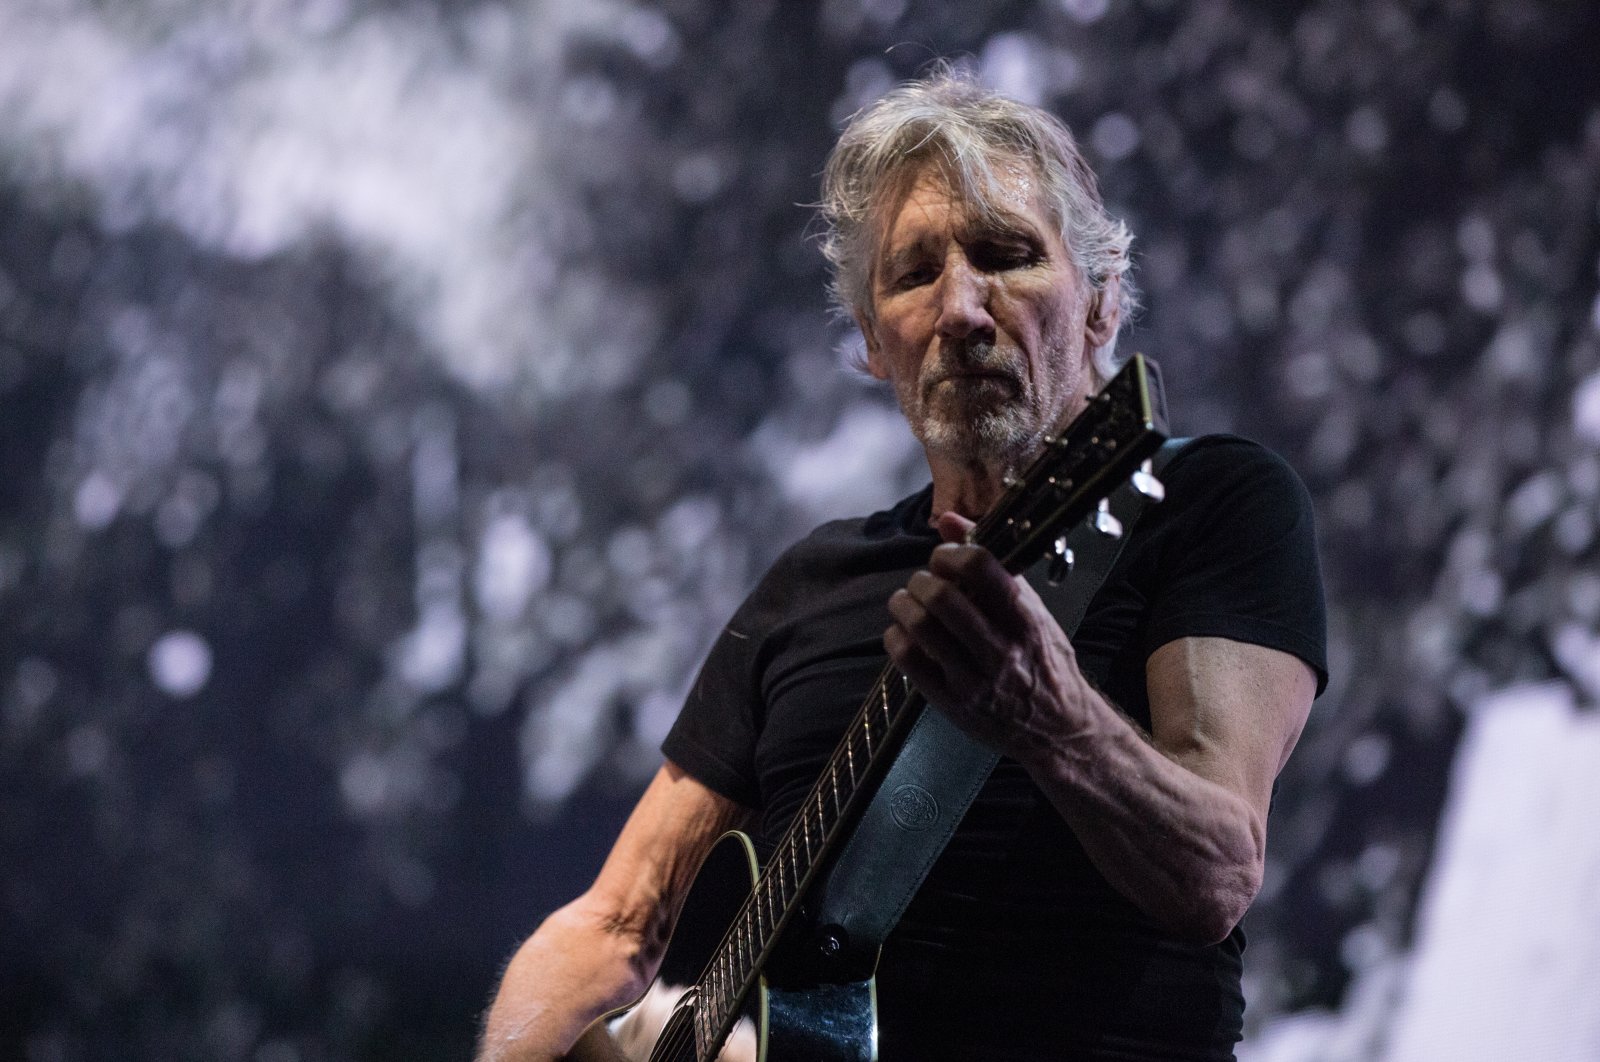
973,376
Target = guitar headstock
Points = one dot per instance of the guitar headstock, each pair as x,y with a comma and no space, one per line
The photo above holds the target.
1109,442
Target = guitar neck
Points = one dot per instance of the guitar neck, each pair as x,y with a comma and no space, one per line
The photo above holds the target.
1077,468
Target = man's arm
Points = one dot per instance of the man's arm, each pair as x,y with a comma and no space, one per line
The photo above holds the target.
1176,821
601,951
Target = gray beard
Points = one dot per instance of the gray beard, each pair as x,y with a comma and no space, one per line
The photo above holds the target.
987,421
1004,436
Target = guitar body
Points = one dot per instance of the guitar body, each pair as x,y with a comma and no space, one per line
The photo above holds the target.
820,1023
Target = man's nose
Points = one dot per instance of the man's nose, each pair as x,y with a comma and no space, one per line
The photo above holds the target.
964,303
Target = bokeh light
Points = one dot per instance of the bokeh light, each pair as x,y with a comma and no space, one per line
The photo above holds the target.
395,399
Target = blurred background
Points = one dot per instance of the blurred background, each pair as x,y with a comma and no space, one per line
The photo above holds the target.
396,398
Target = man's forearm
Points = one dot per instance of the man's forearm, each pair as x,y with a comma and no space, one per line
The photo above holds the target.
1187,851
569,973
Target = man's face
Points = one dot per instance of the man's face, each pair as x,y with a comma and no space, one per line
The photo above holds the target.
983,326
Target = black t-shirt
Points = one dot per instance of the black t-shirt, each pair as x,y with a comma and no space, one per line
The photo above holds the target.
1016,947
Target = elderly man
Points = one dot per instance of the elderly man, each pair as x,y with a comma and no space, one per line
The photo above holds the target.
1088,905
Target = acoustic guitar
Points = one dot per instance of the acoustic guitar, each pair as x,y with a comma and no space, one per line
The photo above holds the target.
745,942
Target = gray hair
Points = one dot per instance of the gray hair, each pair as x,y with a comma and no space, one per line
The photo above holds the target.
949,120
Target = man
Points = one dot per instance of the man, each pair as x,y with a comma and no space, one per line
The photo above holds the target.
1088,905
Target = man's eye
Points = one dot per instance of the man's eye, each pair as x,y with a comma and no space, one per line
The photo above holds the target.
915,277
1005,258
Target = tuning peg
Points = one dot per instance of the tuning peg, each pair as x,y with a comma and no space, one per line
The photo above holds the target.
1104,522
1146,483
1061,561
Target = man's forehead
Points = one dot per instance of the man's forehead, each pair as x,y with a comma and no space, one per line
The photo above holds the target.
1011,205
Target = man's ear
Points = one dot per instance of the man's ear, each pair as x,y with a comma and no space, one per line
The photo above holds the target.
1105,310
875,366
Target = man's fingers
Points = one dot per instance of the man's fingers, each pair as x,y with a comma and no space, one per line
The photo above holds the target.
913,661
926,628
951,619
984,581
953,684
953,527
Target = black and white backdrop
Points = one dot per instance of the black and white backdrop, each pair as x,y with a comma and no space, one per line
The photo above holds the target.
397,395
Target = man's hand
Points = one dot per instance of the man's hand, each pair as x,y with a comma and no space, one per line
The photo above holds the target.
982,647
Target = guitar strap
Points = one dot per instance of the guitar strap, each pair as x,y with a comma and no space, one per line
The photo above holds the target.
940,770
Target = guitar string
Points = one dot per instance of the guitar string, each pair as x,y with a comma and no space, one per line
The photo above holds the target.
671,1038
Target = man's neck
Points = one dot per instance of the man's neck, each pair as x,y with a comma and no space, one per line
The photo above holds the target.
967,487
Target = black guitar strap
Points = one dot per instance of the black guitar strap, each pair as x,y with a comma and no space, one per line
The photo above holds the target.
939,770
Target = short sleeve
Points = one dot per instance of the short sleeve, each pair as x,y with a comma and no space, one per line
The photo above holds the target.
715,734
1240,561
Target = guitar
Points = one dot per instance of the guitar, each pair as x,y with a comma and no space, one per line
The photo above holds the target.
744,942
